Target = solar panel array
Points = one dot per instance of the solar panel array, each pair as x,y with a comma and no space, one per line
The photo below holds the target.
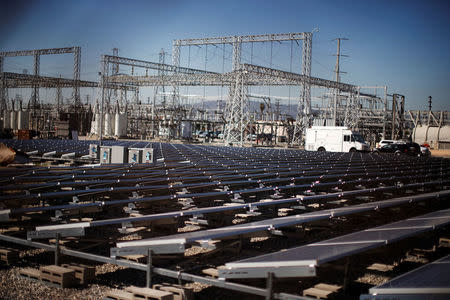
429,281
80,147
287,262
142,207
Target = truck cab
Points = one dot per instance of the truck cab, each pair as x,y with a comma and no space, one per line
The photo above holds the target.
334,139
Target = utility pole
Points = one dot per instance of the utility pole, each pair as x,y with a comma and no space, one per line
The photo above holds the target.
429,110
337,75
162,59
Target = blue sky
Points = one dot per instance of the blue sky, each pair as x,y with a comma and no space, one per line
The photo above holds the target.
402,44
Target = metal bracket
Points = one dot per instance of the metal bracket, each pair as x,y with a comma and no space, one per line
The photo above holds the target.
75,200
51,153
135,195
130,208
58,215
207,244
143,250
253,211
63,232
125,227
276,232
4,215
196,219
276,195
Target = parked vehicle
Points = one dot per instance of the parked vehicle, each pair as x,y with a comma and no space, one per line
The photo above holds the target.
400,148
251,137
424,151
385,142
334,139
203,134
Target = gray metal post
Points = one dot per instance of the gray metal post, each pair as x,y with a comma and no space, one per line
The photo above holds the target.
103,83
57,250
429,110
394,110
269,289
149,269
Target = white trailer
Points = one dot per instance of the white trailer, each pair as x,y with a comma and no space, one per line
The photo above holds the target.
334,139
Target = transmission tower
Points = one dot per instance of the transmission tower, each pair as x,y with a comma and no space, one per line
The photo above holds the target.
162,59
337,78
303,119
236,112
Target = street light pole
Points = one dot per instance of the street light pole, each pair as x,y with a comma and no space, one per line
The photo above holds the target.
102,108
103,73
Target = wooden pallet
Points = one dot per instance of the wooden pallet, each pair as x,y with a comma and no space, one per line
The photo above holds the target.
30,273
322,291
118,295
179,292
83,273
317,293
9,256
149,294
380,267
444,242
60,276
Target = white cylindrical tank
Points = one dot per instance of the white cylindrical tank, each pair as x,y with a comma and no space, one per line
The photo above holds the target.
23,118
13,120
6,119
108,126
186,129
120,126
93,129
95,125
431,134
444,134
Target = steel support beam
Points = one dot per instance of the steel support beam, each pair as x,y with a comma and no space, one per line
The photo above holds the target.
36,68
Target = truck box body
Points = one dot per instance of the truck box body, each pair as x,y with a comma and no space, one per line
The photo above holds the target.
334,139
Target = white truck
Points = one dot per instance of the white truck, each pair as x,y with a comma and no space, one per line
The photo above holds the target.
334,139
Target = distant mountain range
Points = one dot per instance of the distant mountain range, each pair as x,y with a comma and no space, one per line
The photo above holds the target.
289,110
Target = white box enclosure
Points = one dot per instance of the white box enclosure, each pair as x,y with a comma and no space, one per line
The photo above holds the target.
94,151
135,155
147,156
119,155
105,154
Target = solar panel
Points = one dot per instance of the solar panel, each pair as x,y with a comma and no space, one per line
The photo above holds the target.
50,231
264,226
431,281
312,255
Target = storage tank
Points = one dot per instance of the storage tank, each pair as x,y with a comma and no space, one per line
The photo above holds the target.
120,126
186,130
437,137
108,125
13,120
23,118
95,124
93,127
6,119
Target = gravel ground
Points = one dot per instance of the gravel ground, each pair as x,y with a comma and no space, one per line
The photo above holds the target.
15,287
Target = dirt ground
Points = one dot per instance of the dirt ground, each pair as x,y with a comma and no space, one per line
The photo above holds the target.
441,153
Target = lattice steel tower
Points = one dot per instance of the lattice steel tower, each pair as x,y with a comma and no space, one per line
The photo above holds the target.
237,112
